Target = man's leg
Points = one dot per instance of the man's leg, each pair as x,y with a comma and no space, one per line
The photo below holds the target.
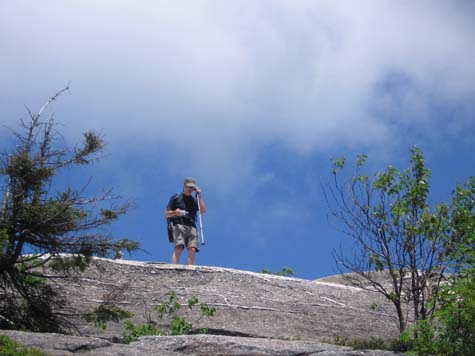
179,240
191,255
192,245
177,254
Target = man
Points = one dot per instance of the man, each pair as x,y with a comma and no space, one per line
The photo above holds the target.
181,213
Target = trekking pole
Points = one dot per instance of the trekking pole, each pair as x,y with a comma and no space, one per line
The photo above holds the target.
200,221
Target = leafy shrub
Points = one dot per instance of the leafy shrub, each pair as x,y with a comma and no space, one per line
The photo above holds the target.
286,272
457,318
371,343
178,325
8,347
453,332
419,339
133,331
361,343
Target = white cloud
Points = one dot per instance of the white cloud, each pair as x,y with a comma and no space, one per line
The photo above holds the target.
226,78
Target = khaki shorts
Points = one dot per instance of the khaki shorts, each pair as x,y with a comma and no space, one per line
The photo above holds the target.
185,235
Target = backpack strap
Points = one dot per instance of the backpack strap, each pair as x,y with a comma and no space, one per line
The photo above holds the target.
176,198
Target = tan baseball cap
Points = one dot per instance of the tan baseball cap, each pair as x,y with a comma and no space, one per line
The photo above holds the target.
190,182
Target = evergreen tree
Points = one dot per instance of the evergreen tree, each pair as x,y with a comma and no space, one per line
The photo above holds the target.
46,234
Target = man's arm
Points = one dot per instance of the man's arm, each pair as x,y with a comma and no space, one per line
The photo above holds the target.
201,202
173,213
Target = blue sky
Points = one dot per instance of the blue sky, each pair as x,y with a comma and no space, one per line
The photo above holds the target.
252,98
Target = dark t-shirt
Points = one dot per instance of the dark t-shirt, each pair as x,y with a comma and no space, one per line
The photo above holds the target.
187,203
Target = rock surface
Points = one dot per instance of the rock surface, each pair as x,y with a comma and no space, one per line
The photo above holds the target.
193,345
256,314
247,303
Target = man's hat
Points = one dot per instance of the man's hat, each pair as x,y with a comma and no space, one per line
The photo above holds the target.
190,182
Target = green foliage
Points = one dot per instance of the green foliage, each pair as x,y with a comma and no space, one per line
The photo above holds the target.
172,305
133,331
374,306
180,326
361,160
29,174
35,310
462,214
169,309
108,311
453,332
206,310
286,272
419,338
92,144
74,262
8,347
50,218
337,164
125,245
109,214
457,317
396,231
371,343
3,241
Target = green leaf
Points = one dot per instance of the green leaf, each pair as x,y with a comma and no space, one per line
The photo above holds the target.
192,302
361,160
337,164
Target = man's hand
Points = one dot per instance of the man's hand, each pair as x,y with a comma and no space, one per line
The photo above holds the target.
197,190
179,212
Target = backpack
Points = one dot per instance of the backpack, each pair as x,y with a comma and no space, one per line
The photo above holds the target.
174,202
